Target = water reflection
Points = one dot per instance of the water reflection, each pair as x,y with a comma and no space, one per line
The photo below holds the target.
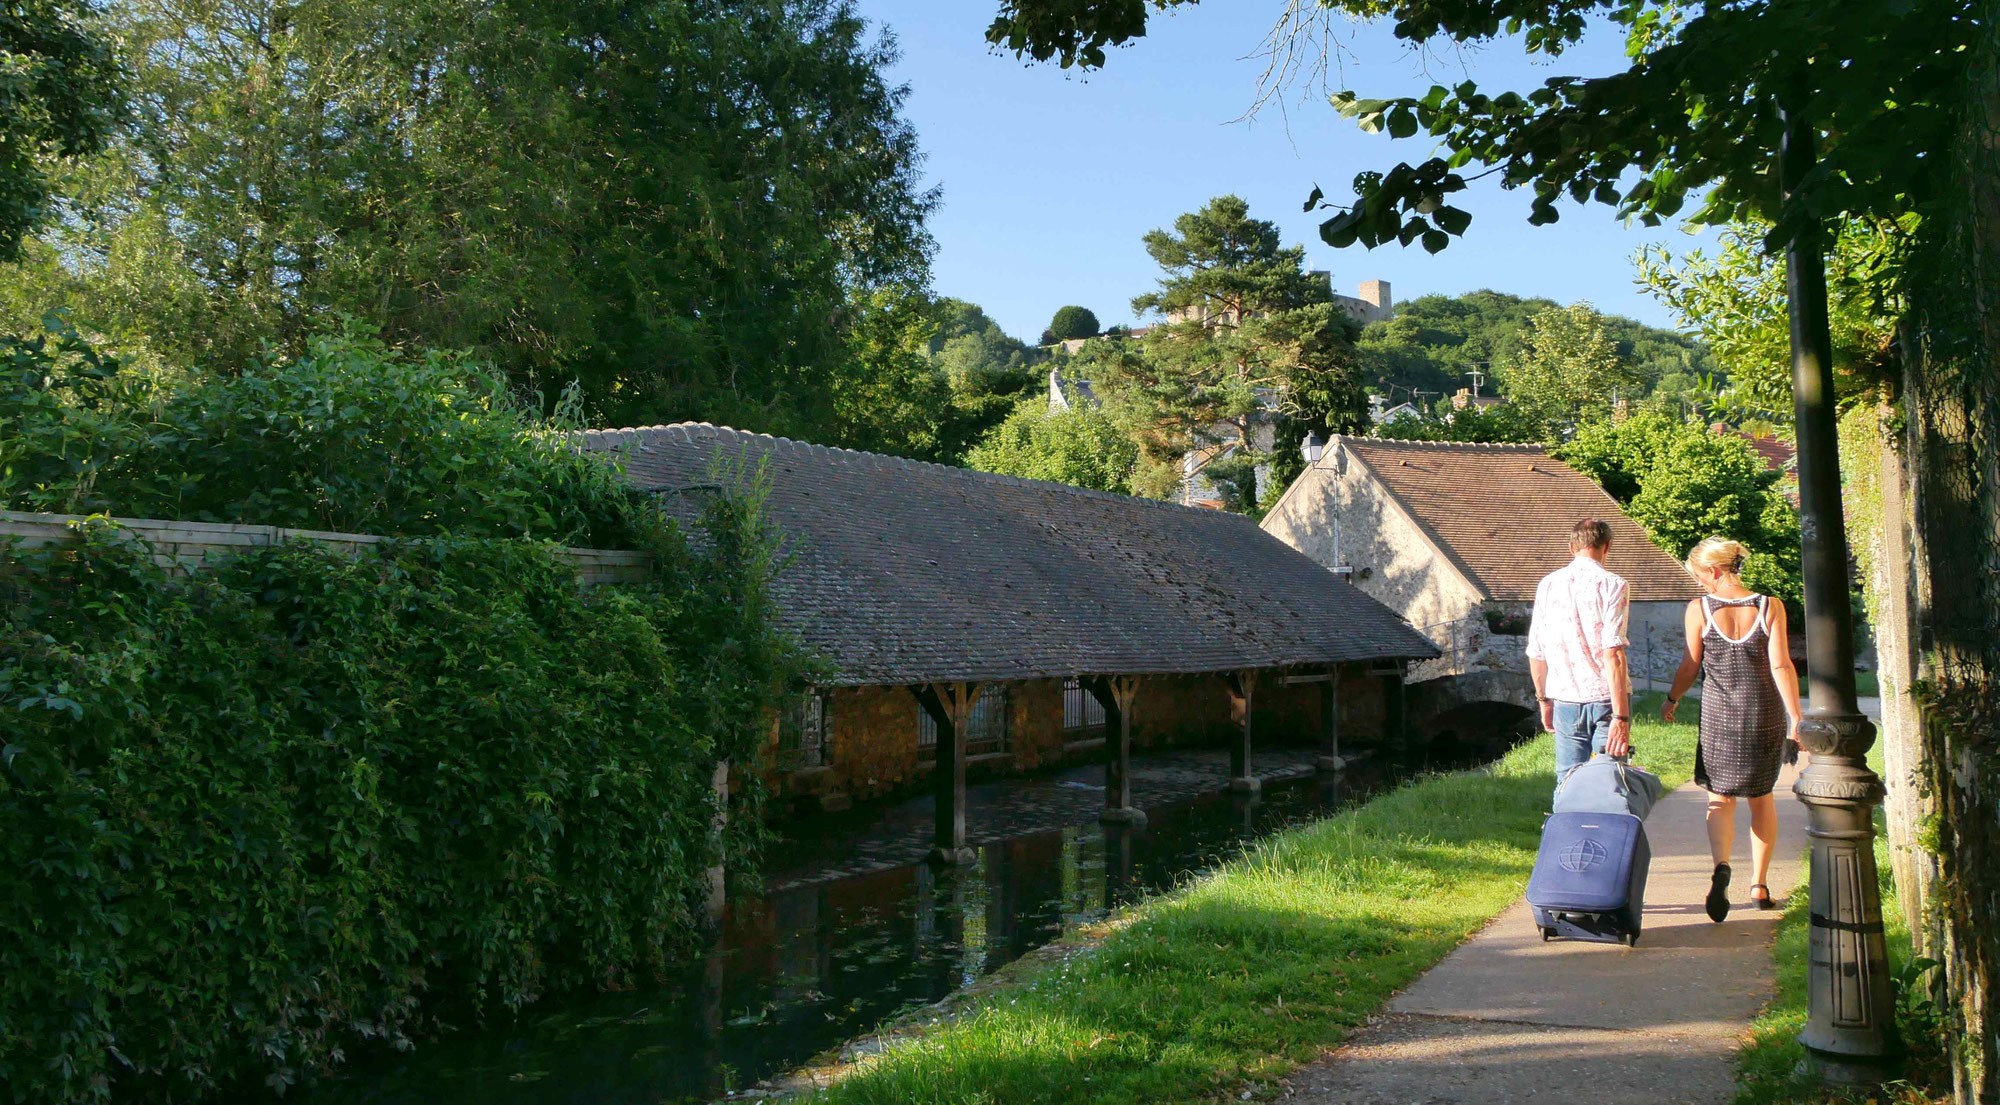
795,972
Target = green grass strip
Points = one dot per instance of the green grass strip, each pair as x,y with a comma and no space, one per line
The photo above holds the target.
1258,967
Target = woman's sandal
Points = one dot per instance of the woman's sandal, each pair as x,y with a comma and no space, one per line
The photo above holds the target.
1764,900
1718,893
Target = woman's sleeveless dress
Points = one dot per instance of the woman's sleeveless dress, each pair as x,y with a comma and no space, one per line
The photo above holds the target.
1743,719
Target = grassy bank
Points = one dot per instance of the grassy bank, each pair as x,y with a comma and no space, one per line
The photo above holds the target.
1256,968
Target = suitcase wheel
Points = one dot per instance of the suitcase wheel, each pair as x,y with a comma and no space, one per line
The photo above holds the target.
1547,934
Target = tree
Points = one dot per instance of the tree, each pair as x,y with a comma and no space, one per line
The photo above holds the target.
1220,263
1735,300
1498,425
1072,322
1434,341
64,96
1250,335
671,204
924,379
1081,445
1695,114
1684,483
890,396
1619,454
1566,371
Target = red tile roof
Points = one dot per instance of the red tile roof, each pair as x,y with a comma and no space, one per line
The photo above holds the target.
1776,451
1502,515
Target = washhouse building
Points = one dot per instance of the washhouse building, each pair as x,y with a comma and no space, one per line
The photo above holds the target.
965,621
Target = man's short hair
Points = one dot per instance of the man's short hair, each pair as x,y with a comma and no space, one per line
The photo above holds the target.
1590,534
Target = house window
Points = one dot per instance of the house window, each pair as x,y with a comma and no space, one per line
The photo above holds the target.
802,732
1082,713
985,728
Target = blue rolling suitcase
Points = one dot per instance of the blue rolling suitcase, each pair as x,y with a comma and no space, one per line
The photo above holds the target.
1589,881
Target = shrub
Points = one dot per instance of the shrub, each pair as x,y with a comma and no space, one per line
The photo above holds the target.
1080,446
351,436
1072,322
262,812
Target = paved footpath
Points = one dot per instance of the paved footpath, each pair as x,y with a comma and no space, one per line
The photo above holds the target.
1509,1019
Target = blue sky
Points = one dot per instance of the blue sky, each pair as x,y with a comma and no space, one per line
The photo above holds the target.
1050,177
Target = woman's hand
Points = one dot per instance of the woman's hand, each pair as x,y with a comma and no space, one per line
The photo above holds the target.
1793,733
1667,709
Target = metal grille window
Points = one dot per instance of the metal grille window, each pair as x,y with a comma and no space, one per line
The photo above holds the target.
1082,713
802,731
985,730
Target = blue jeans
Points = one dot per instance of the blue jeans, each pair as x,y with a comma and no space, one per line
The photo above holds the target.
1582,729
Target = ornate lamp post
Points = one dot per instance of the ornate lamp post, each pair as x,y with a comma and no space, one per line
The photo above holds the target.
1849,1032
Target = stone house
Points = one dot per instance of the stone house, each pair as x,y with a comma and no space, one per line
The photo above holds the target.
961,620
1454,537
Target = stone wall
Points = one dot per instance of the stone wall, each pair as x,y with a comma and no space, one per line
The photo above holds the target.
1335,515
1937,594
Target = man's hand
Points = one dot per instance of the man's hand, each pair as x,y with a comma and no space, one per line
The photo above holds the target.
1548,716
1619,743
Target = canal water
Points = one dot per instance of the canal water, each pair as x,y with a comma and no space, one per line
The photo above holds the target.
802,969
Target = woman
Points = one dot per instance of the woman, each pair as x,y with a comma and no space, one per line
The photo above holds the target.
1736,640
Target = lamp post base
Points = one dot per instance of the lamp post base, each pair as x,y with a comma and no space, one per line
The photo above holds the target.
1850,1031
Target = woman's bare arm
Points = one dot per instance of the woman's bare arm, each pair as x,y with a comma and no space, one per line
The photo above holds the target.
1783,671
1690,667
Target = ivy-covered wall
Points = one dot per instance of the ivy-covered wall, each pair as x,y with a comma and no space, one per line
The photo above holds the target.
300,802
1937,570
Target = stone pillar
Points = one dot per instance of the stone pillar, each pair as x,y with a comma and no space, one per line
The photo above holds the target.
949,705
1116,694
1329,721
1242,702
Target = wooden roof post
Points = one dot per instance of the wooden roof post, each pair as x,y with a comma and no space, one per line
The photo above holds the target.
1242,694
1118,889
1115,693
1329,721
950,707
1395,708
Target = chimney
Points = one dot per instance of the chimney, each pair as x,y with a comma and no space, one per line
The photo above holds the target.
1376,294
1461,399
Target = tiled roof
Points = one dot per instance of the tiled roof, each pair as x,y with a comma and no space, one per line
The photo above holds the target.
1502,514
1776,451
904,572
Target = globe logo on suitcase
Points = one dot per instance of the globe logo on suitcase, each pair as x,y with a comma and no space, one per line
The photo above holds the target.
1582,855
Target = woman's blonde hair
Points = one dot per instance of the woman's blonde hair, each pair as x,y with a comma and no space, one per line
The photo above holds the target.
1718,552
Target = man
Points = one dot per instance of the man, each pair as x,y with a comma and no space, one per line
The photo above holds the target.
1576,652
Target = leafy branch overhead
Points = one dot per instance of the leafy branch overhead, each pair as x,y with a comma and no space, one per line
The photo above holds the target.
1696,117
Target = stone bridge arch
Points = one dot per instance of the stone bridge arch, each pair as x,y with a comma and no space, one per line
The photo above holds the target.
1471,715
